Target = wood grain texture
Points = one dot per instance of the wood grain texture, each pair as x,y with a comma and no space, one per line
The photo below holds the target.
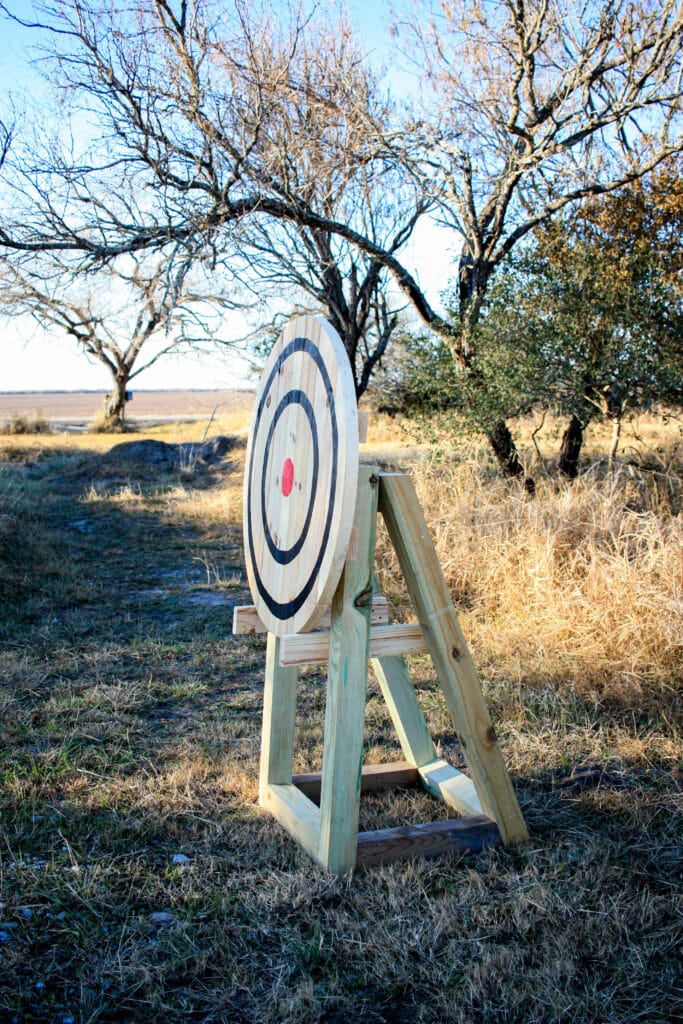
454,788
314,648
246,620
403,706
346,689
374,778
449,652
279,714
301,476
297,814
456,837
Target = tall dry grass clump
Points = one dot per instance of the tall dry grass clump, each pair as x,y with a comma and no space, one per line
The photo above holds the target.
580,586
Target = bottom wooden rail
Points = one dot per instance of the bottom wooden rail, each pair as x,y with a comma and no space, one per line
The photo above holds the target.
456,836
375,777
435,838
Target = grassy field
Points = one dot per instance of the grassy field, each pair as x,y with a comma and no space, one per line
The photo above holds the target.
139,881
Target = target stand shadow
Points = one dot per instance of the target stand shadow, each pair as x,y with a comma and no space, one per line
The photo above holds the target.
302,393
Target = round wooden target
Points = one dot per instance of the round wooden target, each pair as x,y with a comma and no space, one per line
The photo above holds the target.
302,476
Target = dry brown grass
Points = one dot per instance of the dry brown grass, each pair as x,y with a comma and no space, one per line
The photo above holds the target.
130,733
579,587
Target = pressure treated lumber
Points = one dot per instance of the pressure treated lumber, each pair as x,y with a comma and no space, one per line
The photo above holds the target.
279,713
314,648
406,714
452,661
453,787
246,621
459,836
374,778
363,424
347,688
296,813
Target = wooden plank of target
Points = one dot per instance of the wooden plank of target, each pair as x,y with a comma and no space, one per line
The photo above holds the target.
455,669
301,476
246,621
442,780
314,648
347,681
457,837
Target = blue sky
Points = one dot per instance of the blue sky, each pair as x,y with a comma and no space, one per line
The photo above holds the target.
34,360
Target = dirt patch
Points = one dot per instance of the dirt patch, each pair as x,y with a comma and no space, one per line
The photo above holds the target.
163,455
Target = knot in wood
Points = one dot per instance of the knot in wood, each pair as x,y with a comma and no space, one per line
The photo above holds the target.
363,601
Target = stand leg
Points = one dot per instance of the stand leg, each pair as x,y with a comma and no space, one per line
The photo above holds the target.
347,688
406,714
452,661
279,713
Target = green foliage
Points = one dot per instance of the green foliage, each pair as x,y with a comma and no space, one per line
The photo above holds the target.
503,380
586,320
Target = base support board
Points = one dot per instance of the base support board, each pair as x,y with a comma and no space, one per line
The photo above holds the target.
374,778
456,837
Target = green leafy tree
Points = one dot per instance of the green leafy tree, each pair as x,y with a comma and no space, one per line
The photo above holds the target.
587,321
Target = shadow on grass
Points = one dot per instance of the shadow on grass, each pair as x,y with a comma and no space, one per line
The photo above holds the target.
139,882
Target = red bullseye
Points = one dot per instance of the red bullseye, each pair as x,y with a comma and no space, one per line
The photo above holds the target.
287,477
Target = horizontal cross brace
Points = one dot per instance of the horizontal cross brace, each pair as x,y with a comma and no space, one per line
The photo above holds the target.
246,621
314,648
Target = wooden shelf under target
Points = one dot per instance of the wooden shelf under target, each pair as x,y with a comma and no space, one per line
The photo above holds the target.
321,810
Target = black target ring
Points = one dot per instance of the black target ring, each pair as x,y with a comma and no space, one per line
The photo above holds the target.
293,397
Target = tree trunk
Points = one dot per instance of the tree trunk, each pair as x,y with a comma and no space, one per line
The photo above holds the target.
572,440
504,449
613,405
115,403
473,276
616,435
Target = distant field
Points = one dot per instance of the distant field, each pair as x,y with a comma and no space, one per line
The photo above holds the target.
75,406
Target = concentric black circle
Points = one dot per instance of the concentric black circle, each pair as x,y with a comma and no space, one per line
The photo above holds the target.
284,610
293,397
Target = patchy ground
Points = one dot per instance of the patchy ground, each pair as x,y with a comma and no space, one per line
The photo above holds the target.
139,882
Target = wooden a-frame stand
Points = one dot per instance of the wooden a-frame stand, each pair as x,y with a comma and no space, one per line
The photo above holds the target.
329,832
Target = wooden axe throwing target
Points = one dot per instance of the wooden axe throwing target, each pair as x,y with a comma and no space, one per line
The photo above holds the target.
302,476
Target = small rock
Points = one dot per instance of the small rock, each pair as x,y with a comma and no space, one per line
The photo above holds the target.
79,524
26,912
162,917
180,858
40,985
5,937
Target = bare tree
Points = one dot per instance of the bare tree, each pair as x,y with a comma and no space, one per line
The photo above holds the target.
524,107
529,106
268,134
127,315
